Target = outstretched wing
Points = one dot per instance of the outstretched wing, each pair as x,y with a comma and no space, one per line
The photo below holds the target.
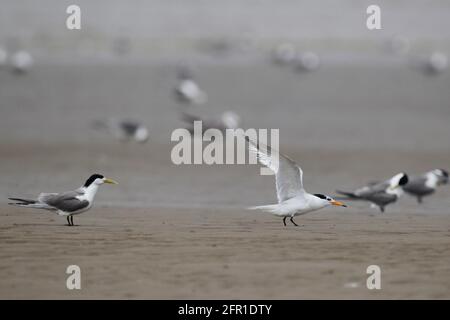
288,175
67,201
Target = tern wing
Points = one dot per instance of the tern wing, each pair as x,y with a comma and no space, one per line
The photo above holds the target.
417,186
67,201
371,189
381,198
288,175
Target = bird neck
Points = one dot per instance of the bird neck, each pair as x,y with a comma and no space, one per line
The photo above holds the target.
398,191
90,191
315,202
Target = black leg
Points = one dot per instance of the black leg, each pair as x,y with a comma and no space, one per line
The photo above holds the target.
284,221
381,209
419,200
293,222
68,220
71,220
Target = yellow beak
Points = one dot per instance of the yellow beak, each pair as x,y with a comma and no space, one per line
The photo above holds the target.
110,181
338,203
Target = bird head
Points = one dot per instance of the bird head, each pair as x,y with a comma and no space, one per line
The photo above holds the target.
396,182
441,175
98,179
325,200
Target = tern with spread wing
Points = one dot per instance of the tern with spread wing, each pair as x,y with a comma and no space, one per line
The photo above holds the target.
426,184
293,200
68,203
380,193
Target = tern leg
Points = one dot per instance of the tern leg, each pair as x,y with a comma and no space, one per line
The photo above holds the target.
68,220
419,199
293,222
284,221
381,208
71,220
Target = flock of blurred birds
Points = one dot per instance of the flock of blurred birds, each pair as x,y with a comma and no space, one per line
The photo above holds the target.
188,94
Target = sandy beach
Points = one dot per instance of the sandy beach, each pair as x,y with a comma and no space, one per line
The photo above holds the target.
168,245
157,253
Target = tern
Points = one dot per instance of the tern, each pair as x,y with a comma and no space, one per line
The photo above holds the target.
284,54
22,61
124,129
380,193
227,120
68,203
293,200
307,61
426,184
187,91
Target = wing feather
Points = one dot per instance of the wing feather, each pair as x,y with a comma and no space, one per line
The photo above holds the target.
288,175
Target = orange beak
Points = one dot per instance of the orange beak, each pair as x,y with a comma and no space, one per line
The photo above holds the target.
338,203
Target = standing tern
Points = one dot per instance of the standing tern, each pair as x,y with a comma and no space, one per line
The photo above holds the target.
124,129
22,61
426,184
187,91
380,193
68,203
293,200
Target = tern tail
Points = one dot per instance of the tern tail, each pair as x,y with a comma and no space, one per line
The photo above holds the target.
28,203
22,201
269,208
347,194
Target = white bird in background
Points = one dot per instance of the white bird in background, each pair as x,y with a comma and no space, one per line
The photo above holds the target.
293,200
380,193
284,54
124,129
426,184
21,61
68,203
307,61
227,120
432,64
187,91
436,63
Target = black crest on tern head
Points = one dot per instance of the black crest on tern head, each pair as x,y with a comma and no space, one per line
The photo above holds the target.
92,179
321,196
444,173
403,180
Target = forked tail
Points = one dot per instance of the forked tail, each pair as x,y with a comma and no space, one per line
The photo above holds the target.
348,195
28,203
268,208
